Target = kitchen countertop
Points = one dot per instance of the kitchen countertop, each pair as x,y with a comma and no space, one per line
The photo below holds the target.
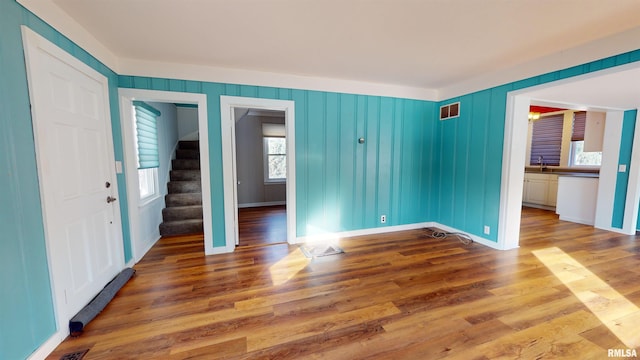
564,171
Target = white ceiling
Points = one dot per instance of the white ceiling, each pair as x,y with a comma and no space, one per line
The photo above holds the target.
420,43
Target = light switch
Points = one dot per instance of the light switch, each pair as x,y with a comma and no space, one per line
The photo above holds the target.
622,168
118,167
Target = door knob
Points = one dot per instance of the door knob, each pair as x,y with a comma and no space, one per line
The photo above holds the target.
110,199
107,185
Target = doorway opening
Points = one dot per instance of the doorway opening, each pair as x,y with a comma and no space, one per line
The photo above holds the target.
140,243
261,176
258,150
579,92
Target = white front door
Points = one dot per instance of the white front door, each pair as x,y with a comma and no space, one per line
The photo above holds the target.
76,168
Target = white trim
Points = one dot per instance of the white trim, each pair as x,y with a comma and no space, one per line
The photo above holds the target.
513,162
227,124
126,102
271,79
633,186
31,43
477,239
388,229
602,48
261,204
363,232
608,171
48,346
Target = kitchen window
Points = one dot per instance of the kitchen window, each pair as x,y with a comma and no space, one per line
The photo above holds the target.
546,141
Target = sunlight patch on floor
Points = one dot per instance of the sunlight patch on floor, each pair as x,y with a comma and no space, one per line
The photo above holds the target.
620,315
286,268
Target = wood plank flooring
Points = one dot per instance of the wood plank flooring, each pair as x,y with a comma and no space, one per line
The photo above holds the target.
262,225
570,291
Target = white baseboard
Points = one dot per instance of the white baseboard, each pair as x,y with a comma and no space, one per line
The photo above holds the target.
373,231
261,204
381,230
218,250
145,251
48,346
362,232
477,239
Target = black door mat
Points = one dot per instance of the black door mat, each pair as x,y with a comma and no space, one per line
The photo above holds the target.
320,250
77,355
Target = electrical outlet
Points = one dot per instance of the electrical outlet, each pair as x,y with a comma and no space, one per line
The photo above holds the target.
383,219
487,230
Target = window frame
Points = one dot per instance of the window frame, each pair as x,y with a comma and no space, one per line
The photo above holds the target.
150,175
266,155
573,154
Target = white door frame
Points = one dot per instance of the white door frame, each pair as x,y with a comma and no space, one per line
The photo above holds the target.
127,96
513,163
32,42
228,127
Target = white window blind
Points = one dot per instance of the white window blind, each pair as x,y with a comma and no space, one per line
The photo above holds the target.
579,120
273,130
546,140
146,135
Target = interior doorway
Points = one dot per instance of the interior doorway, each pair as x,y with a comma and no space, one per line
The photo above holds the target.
127,97
233,111
587,90
261,177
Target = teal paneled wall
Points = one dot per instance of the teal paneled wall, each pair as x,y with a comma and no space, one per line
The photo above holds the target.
340,185
412,167
26,308
470,162
624,157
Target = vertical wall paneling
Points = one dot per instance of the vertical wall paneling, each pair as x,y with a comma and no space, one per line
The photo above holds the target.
348,147
372,125
478,137
316,163
385,159
300,98
413,165
332,163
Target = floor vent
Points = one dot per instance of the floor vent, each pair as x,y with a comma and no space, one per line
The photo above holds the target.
320,250
77,355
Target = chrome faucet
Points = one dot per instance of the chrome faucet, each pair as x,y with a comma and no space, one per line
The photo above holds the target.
541,162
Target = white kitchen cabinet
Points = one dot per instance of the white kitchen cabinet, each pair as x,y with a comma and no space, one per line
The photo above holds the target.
540,189
552,192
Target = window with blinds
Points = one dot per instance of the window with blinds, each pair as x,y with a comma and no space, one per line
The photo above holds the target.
546,140
578,157
146,135
146,130
579,120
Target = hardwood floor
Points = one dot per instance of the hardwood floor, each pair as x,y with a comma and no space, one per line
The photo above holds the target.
570,291
262,225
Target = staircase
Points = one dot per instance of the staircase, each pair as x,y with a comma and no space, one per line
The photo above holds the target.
183,212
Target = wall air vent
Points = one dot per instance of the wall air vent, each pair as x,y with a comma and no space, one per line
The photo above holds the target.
450,111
